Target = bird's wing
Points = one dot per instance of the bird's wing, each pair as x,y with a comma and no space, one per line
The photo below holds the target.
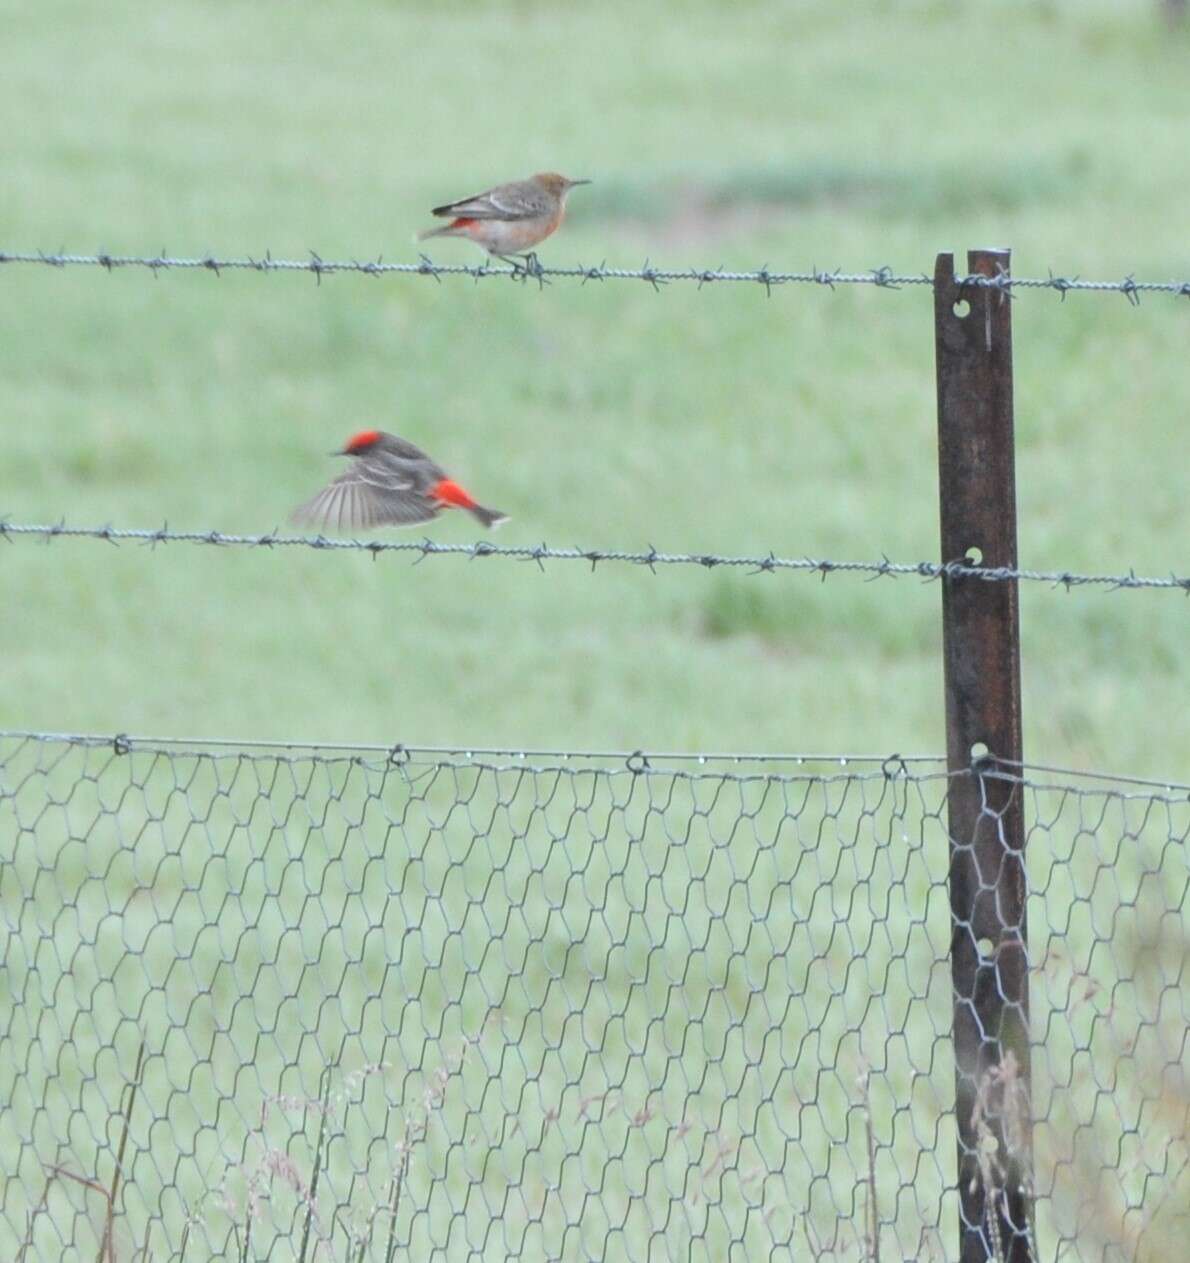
403,449
521,200
363,498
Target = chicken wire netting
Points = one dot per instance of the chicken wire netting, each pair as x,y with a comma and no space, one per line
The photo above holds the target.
316,1003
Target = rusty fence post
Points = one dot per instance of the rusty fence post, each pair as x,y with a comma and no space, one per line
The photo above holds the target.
981,652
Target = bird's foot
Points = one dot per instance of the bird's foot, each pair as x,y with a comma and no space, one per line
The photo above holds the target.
527,267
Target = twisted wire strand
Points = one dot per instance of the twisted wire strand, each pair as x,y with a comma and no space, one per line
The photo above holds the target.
766,277
650,558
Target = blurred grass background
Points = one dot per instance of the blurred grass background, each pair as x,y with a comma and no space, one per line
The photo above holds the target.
792,134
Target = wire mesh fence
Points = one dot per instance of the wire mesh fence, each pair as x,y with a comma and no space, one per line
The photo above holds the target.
305,1002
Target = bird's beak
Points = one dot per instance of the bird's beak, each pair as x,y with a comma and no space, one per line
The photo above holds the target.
340,452
574,183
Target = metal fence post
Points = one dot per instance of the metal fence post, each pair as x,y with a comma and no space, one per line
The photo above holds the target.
981,651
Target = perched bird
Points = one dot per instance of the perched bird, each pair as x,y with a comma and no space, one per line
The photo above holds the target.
509,219
390,483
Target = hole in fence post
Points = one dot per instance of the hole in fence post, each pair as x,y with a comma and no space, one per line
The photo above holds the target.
985,947
979,752
973,556
962,309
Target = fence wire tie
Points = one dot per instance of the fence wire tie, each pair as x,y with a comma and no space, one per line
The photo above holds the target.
893,767
963,286
121,743
1131,290
637,762
1002,282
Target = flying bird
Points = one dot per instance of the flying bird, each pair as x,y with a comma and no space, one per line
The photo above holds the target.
389,483
510,219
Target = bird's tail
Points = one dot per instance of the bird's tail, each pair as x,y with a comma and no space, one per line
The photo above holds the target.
489,517
447,492
440,230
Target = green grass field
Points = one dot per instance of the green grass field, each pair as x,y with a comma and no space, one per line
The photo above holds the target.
609,415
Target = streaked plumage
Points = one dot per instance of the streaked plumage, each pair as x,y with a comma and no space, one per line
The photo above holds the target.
390,482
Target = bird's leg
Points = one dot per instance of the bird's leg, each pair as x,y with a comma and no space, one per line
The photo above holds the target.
525,267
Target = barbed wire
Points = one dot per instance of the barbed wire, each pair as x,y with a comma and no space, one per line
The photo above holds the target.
881,277
650,558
